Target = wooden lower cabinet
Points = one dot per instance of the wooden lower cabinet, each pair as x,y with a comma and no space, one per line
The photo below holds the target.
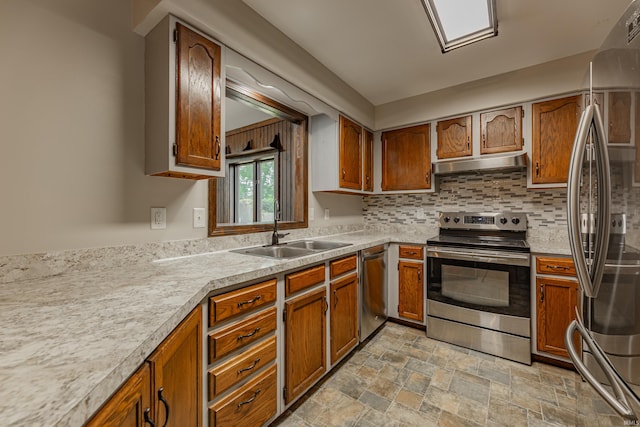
250,405
411,290
167,389
556,301
344,316
305,342
129,405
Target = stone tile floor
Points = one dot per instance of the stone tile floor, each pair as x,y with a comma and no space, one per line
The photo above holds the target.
402,378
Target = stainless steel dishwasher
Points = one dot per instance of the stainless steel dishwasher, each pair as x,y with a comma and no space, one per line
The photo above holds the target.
373,290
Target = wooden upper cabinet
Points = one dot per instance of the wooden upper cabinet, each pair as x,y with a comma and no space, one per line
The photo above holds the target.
501,130
367,161
198,93
350,154
554,125
619,118
454,138
406,159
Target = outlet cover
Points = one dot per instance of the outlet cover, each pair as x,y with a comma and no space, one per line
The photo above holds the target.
158,218
199,220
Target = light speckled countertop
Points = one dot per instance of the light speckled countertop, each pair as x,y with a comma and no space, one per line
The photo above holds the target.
68,341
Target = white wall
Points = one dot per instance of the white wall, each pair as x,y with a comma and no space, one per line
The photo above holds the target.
72,134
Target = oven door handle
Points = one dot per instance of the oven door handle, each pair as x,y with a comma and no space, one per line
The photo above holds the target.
475,256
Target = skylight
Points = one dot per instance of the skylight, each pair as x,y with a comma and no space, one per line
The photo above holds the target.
458,23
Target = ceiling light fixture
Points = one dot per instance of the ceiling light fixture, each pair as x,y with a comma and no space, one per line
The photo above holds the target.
458,23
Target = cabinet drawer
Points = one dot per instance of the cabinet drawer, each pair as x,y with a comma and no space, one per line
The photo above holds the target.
229,373
555,266
341,266
411,252
227,305
295,282
251,405
240,334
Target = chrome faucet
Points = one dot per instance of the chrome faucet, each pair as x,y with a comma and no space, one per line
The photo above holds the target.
275,237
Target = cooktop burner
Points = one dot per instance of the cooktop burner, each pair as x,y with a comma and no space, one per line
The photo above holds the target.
503,231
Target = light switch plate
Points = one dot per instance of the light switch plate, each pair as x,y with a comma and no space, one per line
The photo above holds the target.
199,220
158,218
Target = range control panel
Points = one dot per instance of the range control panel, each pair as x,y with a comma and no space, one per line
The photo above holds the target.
483,221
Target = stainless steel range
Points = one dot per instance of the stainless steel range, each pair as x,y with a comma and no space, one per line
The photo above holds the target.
478,283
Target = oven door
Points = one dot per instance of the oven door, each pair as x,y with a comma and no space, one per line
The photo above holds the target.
478,279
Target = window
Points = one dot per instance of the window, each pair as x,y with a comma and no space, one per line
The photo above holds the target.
458,23
253,185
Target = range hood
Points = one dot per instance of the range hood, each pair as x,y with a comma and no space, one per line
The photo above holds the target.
477,165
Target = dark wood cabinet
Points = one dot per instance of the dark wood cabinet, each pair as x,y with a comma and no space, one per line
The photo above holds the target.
556,302
454,138
305,342
367,161
619,127
501,130
406,159
350,154
344,316
554,125
167,389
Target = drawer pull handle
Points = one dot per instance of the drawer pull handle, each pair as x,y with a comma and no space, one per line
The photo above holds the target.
411,252
217,147
147,419
251,301
541,293
557,267
248,368
246,402
255,331
166,406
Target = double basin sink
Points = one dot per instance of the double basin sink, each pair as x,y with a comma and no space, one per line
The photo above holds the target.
294,249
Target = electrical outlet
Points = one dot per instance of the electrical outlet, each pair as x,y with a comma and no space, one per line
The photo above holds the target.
327,214
312,214
198,218
158,218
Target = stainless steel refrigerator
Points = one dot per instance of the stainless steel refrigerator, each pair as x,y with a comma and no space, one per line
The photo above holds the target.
603,215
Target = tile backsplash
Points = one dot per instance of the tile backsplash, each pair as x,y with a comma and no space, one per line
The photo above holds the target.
487,192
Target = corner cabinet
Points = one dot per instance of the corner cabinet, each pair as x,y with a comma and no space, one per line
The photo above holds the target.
166,389
342,155
183,102
554,125
556,301
406,158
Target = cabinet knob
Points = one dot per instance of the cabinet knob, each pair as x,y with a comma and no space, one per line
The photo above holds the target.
217,147
427,178
147,419
166,406
537,169
344,173
541,293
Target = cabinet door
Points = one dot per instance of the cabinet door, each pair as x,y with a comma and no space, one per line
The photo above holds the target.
176,371
406,159
556,302
554,128
344,316
501,130
367,161
305,342
350,154
454,138
198,90
411,290
619,117
128,406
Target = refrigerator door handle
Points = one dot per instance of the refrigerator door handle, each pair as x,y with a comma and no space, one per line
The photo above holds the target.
617,400
589,278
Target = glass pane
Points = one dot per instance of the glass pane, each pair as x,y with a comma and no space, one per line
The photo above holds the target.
462,17
476,285
245,192
267,190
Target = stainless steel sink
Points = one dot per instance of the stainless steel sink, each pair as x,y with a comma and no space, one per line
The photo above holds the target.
280,252
294,249
316,245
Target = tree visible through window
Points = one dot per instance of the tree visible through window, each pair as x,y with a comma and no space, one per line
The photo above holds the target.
254,191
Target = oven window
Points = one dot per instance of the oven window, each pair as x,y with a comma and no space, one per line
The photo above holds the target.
491,287
476,286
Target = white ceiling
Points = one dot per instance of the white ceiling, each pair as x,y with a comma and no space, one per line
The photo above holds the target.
386,49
